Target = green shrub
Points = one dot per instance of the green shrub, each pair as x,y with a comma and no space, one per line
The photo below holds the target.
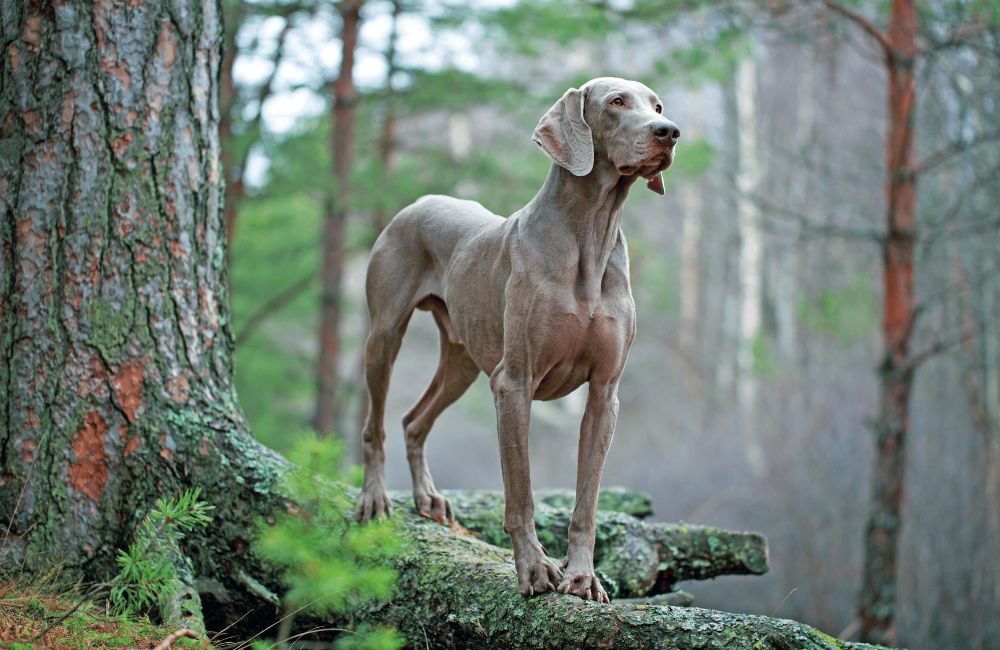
329,563
148,568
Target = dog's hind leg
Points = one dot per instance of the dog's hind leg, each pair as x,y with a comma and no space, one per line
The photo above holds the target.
390,313
455,373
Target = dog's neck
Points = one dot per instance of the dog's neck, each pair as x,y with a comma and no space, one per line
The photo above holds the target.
590,209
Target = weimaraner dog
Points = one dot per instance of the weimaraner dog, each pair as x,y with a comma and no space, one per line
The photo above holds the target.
539,301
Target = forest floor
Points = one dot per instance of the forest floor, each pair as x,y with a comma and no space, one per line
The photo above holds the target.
26,611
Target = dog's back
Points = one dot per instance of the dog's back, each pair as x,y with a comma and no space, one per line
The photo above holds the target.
417,245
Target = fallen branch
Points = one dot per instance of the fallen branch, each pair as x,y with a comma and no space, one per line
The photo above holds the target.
641,558
174,637
454,590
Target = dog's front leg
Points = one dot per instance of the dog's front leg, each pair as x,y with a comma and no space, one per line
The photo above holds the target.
535,572
595,437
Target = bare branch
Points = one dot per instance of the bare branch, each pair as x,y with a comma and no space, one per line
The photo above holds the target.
173,638
812,227
862,22
942,228
274,304
958,37
265,91
937,347
955,148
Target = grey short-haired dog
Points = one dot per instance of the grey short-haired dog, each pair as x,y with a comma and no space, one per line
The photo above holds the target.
539,301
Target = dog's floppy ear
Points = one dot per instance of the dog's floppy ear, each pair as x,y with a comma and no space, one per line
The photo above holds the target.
564,135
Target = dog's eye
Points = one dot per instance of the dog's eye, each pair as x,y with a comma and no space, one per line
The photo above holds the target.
618,101
659,109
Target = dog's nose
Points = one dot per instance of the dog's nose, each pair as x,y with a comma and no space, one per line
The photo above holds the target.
666,131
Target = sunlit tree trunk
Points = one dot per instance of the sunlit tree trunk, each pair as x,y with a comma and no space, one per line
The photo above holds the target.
115,360
335,221
799,194
691,233
750,257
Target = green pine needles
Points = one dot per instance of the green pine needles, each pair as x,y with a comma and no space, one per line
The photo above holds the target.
151,565
330,564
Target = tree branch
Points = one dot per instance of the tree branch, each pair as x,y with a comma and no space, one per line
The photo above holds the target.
274,304
862,22
805,224
265,91
947,153
168,643
937,347
958,37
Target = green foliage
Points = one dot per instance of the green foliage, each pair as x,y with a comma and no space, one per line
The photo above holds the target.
529,27
847,313
765,364
148,568
329,563
694,158
713,60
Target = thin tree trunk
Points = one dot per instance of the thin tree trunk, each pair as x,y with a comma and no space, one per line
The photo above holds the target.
380,217
233,14
878,591
335,222
234,156
115,360
799,194
750,256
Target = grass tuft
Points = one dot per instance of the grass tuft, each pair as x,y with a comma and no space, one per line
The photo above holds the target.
28,607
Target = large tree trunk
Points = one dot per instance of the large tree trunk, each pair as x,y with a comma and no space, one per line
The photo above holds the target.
115,359
334,223
878,591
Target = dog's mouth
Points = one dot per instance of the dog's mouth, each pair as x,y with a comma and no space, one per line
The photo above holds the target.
651,166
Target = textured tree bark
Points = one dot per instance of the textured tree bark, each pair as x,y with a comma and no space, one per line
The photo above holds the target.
334,224
640,558
115,352
455,591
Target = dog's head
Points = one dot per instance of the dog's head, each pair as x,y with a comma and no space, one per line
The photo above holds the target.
615,118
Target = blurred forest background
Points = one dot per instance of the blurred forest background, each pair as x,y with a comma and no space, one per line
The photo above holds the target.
752,396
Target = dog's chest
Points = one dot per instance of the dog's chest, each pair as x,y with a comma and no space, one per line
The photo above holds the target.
581,342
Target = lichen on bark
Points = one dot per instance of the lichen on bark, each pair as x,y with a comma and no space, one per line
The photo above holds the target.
641,558
455,590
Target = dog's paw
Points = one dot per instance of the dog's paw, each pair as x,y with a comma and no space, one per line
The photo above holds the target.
373,503
585,585
538,577
434,506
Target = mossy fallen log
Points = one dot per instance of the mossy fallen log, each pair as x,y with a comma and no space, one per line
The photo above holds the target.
640,557
456,591
616,499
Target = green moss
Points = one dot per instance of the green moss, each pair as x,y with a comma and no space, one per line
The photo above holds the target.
111,324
